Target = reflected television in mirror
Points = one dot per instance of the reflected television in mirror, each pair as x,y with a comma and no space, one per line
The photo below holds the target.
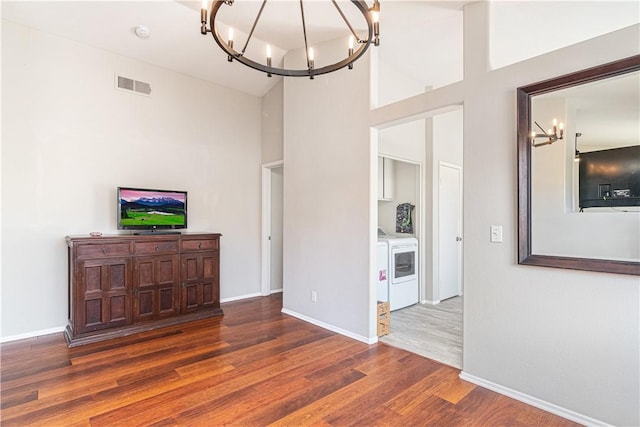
610,178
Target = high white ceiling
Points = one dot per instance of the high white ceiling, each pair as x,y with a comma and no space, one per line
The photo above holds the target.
175,41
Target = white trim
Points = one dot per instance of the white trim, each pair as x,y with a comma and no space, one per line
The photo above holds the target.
434,302
331,327
239,297
533,401
33,334
276,291
265,252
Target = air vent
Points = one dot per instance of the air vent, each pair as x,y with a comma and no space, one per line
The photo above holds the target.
131,85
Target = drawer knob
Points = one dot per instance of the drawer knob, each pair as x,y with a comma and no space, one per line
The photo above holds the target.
199,245
156,248
104,251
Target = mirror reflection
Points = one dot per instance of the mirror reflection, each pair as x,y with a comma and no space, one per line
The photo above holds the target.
585,170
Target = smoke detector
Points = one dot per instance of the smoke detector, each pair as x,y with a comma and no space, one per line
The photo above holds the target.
142,31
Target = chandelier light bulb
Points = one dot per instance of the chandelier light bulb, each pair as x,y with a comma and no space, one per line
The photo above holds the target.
554,122
351,42
311,58
204,4
230,34
375,16
268,59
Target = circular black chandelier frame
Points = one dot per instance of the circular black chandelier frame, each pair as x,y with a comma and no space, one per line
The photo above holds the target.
310,71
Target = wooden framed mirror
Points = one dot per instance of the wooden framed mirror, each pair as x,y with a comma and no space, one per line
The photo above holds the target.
572,227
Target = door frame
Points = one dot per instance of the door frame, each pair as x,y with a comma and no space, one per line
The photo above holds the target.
265,271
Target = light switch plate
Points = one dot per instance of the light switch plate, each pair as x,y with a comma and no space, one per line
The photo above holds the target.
496,234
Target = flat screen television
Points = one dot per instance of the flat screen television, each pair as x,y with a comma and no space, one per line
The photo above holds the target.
151,210
610,178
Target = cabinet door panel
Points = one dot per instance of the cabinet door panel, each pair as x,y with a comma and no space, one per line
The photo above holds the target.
200,273
191,297
144,307
208,267
168,301
117,308
190,268
209,294
93,312
93,278
103,300
155,287
143,272
167,271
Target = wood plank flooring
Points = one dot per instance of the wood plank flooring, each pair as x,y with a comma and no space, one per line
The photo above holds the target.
253,367
432,331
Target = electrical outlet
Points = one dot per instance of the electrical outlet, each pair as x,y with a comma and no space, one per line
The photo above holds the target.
496,233
314,296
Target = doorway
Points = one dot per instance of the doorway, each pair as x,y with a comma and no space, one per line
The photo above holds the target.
272,226
433,327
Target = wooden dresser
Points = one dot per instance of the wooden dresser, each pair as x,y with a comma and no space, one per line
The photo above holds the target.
124,284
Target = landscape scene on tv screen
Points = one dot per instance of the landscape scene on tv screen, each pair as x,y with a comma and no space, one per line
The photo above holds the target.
150,208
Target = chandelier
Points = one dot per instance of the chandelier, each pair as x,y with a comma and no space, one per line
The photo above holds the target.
551,134
371,17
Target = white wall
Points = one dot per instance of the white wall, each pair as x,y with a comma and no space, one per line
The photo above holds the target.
272,125
393,85
328,229
553,24
69,139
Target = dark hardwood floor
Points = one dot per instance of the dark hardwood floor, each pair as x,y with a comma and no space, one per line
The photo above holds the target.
253,367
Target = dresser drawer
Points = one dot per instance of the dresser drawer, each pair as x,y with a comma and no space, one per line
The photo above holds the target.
103,250
158,247
199,245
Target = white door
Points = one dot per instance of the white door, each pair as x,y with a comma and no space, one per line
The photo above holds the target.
277,175
450,231
272,217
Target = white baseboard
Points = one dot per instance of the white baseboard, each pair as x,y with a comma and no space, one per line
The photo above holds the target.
332,328
435,302
534,401
32,334
276,291
239,297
